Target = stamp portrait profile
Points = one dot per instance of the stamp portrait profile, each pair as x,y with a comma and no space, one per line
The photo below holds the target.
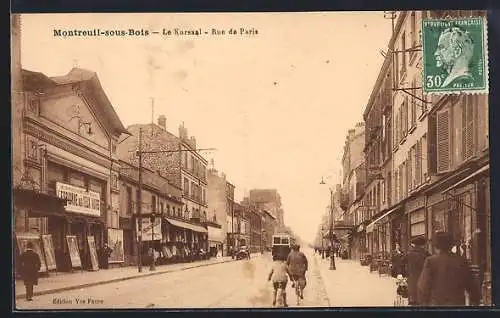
454,55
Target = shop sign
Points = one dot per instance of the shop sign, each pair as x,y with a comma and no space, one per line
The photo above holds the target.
215,234
79,200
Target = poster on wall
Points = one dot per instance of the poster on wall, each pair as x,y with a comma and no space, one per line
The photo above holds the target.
22,241
74,253
93,253
115,242
48,248
147,230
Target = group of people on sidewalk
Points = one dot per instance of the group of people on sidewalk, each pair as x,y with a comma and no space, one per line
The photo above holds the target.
440,279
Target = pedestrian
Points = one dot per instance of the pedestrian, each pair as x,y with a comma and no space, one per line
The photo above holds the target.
104,254
414,262
279,275
397,262
29,266
446,277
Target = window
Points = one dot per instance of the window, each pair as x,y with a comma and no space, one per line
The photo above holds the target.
186,186
418,163
401,182
153,204
443,140
417,221
468,128
204,196
403,54
413,107
405,116
383,191
389,189
161,208
129,201
168,209
414,31
409,168
396,130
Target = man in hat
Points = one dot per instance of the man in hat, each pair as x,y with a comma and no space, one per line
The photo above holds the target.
29,265
414,262
446,277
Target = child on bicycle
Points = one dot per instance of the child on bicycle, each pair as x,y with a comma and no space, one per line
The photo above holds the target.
279,275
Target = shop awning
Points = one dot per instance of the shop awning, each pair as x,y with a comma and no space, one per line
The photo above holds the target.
371,226
185,225
468,178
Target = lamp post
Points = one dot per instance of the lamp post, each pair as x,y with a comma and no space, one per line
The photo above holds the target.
331,234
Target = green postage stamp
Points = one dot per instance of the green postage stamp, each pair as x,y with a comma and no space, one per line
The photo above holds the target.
455,56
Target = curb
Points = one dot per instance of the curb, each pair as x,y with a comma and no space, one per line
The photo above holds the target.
72,287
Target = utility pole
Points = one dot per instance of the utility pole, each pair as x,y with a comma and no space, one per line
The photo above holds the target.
139,205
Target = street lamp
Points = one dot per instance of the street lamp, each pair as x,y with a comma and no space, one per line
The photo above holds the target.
331,234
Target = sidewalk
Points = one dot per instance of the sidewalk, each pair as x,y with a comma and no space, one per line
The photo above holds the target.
352,285
58,282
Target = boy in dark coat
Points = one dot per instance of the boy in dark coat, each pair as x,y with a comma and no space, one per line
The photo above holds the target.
446,277
414,262
29,265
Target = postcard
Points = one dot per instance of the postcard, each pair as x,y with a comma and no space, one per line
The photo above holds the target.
251,160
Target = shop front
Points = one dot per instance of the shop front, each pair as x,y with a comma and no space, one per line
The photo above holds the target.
38,207
215,240
83,221
462,208
415,210
184,241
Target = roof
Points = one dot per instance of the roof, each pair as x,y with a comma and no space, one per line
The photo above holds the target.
91,88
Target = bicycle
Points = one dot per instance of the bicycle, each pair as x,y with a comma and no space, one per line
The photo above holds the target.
298,291
280,299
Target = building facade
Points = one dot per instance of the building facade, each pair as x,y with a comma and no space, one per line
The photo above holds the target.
69,185
221,205
175,159
270,200
353,182
159,196
438,178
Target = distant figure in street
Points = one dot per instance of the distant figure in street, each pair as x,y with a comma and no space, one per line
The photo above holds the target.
414,261
279,275
29,266
297,265
397,262
446,277
104,254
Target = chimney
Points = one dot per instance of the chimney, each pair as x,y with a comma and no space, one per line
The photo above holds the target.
183,133
162,122
193,142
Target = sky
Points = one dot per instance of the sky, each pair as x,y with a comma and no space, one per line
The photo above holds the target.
276,105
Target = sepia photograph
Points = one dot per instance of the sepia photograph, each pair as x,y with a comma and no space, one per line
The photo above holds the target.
250,160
